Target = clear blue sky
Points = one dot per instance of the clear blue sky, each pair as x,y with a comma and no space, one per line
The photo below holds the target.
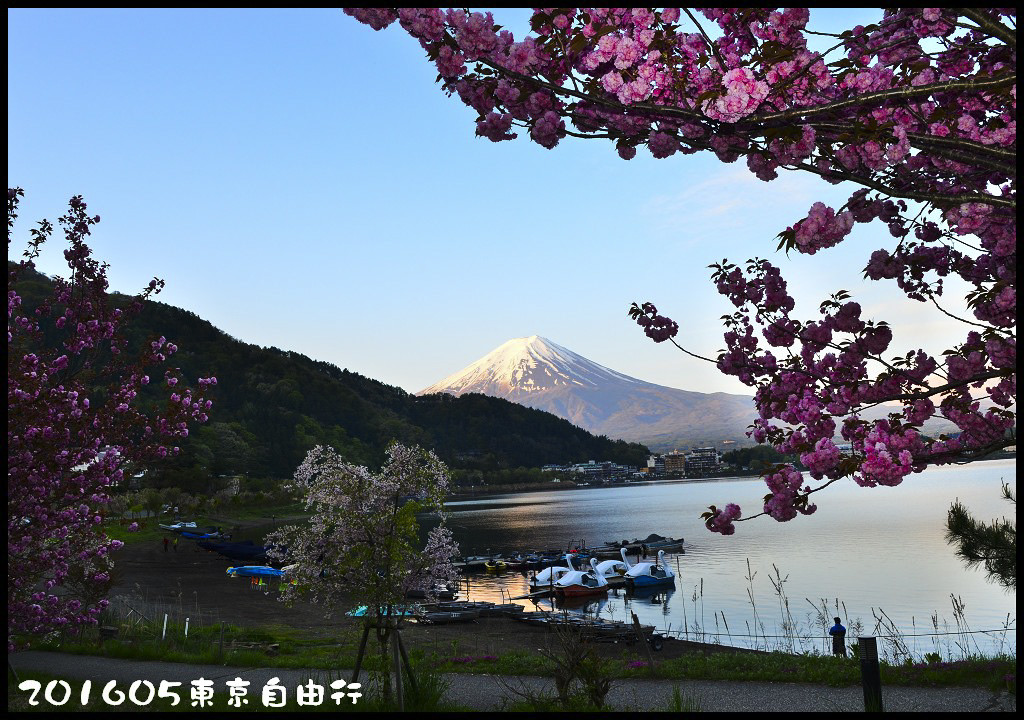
300,181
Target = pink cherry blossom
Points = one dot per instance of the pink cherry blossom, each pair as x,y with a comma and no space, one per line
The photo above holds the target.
917,111
65,451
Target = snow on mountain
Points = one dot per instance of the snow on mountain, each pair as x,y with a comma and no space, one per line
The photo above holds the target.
527,366
539,373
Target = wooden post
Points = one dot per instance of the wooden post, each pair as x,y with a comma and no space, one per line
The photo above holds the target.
870,674
405,659
643,641
397,665
362,649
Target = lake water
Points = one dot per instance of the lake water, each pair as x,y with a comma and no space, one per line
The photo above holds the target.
868,551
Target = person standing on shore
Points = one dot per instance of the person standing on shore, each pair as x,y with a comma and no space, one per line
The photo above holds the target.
838,633
165,544
175,544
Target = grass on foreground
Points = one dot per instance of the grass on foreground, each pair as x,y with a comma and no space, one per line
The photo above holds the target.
225,516
242,647
252,647
991,673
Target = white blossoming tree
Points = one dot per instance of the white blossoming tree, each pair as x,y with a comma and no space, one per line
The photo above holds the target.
362,546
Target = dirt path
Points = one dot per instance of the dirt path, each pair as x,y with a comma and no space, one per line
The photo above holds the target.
487,692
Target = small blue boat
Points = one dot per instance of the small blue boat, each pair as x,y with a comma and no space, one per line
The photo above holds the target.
256,571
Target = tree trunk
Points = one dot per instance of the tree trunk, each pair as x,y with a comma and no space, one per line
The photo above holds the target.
397,665
362,650
383,634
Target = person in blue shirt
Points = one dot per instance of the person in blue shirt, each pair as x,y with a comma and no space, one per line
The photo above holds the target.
838,633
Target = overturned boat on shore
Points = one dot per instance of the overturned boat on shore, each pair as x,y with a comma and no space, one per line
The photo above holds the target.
654,542
179,526
242,551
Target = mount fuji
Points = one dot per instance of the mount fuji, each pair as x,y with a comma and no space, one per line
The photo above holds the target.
538,373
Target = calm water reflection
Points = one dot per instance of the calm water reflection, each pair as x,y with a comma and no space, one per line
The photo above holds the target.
867,549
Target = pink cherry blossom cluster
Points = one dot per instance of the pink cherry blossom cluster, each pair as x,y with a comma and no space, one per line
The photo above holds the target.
74,421
786,498
657,327
822,228
888,456
917,110
495,127
721,521
744,93
823,460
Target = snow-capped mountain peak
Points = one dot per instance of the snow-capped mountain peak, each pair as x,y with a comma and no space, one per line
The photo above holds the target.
524,366
538,373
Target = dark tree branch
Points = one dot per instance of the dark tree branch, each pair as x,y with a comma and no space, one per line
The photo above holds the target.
941,201
964,320
711,45
993,28
645,109
899,93
980,377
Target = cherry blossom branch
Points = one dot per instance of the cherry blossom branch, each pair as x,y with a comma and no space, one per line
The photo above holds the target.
880,96
969,322
991,27
938,200
693,355
707,39
907,122
806,494
980,377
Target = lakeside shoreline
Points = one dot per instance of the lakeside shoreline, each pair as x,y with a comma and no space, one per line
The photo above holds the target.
475,492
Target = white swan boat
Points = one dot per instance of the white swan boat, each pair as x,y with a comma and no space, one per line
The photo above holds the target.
579,583
647,574
546,578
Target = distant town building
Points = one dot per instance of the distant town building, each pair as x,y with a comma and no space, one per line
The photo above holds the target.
702,461
675,462
603,470
657,464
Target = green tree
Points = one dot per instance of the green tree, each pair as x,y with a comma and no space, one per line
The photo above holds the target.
994,544
151,501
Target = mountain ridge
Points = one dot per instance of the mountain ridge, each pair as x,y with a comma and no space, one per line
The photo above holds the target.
538,373
270,406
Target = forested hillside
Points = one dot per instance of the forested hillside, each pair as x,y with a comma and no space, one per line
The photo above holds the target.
271,406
